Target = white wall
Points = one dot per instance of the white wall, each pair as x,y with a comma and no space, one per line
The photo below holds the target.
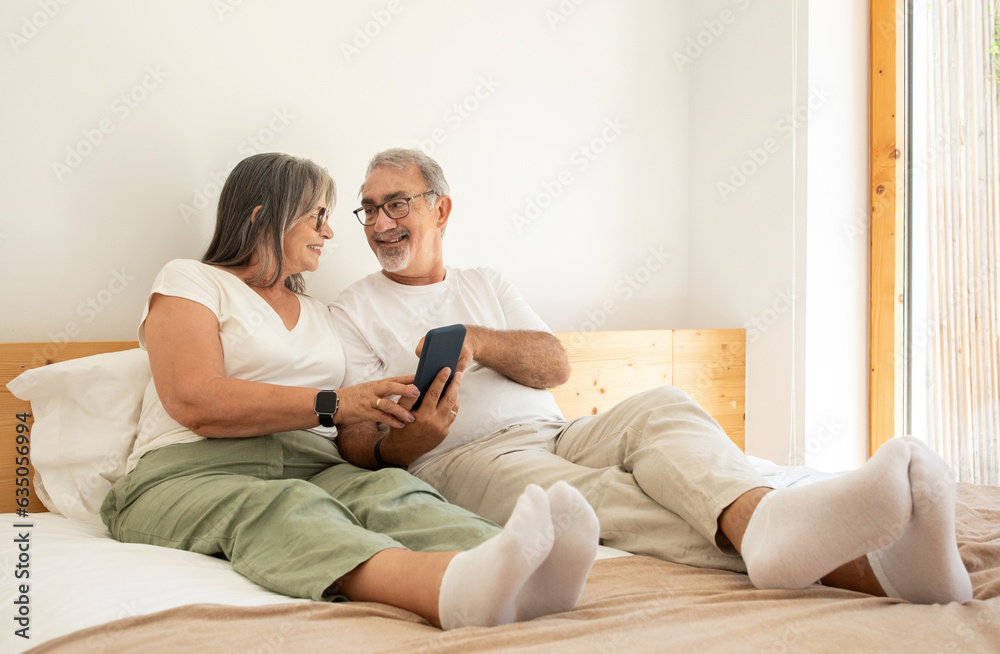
577,109
583,155
746,242
779,179
837,252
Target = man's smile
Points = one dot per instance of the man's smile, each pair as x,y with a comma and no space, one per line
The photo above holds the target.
388,238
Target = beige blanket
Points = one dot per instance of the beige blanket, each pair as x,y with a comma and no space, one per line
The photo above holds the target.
631,604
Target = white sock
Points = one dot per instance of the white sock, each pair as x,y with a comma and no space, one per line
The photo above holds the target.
558,582
480,587
924,565
797,535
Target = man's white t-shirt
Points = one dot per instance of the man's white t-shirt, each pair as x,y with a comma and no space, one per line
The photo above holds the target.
380,323
256,345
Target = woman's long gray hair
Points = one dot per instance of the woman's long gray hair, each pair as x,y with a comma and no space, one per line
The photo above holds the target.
285,188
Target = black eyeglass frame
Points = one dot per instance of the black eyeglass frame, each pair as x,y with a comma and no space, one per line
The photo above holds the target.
359,212
322,218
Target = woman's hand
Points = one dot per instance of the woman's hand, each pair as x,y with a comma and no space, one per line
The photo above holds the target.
437,412
367,402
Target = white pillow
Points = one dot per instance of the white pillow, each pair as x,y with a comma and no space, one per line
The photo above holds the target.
86,416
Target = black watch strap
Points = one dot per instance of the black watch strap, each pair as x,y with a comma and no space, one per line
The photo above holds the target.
382,463
326,405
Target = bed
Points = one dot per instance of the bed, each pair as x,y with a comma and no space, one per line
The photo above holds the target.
71,588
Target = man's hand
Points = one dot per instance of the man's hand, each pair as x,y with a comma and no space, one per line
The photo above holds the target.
437,412
468,354
535,359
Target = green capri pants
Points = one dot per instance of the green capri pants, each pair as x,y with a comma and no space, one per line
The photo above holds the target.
285,509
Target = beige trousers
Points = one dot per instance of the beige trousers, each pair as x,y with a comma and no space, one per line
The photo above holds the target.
657,468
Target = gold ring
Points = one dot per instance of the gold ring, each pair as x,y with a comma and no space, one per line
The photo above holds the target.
377,403
454,413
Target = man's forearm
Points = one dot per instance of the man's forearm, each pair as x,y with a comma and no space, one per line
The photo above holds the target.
356,444
535,359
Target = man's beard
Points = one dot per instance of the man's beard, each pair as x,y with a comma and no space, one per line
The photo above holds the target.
392,259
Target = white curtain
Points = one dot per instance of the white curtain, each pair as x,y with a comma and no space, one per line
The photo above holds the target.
962,393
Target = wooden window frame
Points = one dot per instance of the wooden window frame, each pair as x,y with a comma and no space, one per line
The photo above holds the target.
886,124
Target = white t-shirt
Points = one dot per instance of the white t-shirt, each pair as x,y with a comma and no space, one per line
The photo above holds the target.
256,345
380,323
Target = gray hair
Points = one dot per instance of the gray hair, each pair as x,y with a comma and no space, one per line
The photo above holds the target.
285,188
401,159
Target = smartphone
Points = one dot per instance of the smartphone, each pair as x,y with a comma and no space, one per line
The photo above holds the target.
442,348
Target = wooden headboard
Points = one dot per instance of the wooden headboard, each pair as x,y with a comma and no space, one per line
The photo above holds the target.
607,367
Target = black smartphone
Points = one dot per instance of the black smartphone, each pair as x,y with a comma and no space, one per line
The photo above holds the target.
442,348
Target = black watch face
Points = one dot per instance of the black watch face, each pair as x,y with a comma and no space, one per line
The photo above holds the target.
326,402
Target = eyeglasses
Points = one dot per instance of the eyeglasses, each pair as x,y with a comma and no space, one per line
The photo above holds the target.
321,217
396,208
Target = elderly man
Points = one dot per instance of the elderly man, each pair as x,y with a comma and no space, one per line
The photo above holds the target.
662,476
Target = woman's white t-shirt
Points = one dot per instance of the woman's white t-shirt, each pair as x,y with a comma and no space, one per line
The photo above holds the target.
256,345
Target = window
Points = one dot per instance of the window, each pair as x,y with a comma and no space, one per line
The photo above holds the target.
936,239
953,248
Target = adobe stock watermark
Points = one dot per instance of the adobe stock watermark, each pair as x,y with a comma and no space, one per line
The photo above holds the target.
275,642
899,17
103,639
223,7
32,25
757,325
371,30
562,12
713,370
104,472
204,196
88,310
581,159
972,630
924,336
244,329
329,248
418,324
757,157
408,336
620,641
713,28
928,332
825,434
625,288
445,642
459,112
918,171
7,569
121,108
793,640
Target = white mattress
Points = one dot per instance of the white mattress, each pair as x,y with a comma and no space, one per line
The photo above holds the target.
80,577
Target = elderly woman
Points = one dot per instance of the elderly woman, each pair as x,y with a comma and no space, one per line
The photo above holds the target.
236,453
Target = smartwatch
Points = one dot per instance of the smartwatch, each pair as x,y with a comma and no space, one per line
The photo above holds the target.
326,405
